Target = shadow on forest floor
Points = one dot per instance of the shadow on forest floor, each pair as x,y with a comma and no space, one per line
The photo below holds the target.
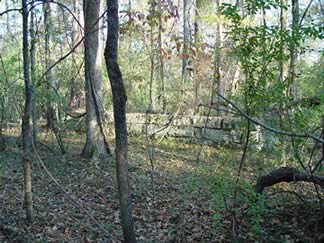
178,205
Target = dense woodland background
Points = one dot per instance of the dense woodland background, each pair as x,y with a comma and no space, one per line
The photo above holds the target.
249,72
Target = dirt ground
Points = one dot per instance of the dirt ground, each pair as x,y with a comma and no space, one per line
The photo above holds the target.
168,204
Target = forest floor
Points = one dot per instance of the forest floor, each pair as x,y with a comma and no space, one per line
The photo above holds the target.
175,198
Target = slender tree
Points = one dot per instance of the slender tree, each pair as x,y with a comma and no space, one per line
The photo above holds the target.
293,49
119,104
129,5
26,127
240,6
186,40
161,59
50,113
8,20
197,36
283,27
33,69
152,89
76,35
96,140
217,61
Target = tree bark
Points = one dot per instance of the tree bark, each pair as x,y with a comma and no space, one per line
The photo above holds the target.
286,174
50,113
33,72
75,36
217,64
152,90
186,42
26,128
76,32
197,40
161,59
293,50
2,108
322,159
129,5
96,140
283,27
240,6
119,104
8,20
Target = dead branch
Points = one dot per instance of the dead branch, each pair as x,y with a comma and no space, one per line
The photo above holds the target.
71,198
286,174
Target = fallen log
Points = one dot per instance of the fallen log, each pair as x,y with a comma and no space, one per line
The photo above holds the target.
286,174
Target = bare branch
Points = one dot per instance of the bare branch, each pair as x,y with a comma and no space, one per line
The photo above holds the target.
10,10
62,6
267,127
305,13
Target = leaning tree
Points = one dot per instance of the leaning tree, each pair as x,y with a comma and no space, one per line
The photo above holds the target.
119,105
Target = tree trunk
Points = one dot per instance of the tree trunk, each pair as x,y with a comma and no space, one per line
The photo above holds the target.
286,174
197,40
283,27
33,71
76,32
119,104
152,107
8,20
26,128
240,6
217,71
186,42
50,113
293,50
322,159
2,139
75,35
96,140
161,67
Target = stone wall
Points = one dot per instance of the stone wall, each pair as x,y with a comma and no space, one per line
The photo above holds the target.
218,130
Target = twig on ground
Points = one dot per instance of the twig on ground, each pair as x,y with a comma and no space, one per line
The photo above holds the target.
70,197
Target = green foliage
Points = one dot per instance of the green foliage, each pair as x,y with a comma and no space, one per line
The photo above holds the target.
253,6
259,50
231,199
11,84
248,208
230,11
136,76
312,78
311,84
263,52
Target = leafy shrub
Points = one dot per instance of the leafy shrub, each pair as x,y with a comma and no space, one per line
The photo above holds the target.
237,201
